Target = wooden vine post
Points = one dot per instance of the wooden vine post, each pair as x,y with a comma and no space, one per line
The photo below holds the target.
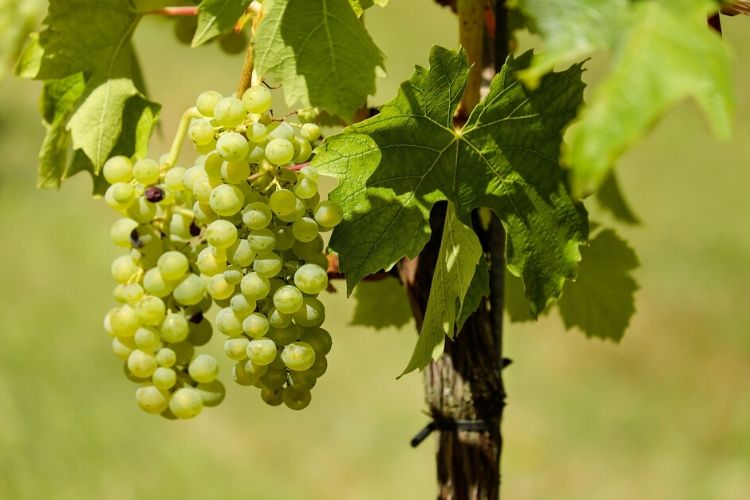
464,387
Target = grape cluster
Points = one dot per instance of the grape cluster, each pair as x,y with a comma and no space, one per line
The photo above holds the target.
241,229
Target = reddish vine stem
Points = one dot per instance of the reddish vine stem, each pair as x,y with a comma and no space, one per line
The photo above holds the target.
173,11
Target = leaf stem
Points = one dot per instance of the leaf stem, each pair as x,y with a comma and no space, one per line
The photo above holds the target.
174,151
173,11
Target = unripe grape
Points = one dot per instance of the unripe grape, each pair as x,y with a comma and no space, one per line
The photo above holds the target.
284,237
141,364
256,215
151,399
282,201
211,261
256,325
261,351
232,146
311,279
310,132
142,211
274,379
226,200
173,265
186,403
228,323
212,393
119,196
328,214
221,234
164,378
279,151
312,313
305,229
287,299
229,112
283,336
201,132
298,356
240,254
267,265
218,287
124,321
256,132
262,240
257,100
299,210
166,357
272,397
122,347
306,188
254,286
241,306
174,328
189,291
206,102
236,348
278,319
235,172
124,268
296,399
302,150
309,172
120,232
151,310
155,284
146,171
118,169
204,368
173,179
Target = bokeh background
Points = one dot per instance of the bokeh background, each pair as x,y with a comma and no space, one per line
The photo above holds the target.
664,414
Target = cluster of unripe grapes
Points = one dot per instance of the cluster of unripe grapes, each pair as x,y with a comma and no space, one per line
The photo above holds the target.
240,229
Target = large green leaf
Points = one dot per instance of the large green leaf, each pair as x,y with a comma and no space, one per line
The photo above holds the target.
321,53
456,263
479,288
664,52
216,17
395,166
601,301
90,38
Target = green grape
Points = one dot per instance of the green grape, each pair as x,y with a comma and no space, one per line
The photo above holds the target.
240,254
272,397
201,132
296,399
141,364
257,155
311,203
283,336
166,357
305,229
233,275
124,321
155,284
328,214
257,100
124,268
302,380
173,179
310,132
235,172
261,351
211,261
226,200
191,176
129,294
180,228
189,291
236,348
173,265
202,190
302,150
203,214
256,215
205,149
204,368
120,232
267,265
306,188
299,210
279,151
256,325
146,171
142,211
151,310
207,101
164,378
174,328
131,377
256,132
118,169
229,112
309,172
273,379
147,340
122,347
312,313
281,130
232,147
287,299
212,166
318,338
284,237
282,202
298,356
311,279
186,403
278,319
254,286
228,323
212,393
320,366
241,306
307,114
221,234
308,250
183,351
245,373
218,288
119,196
151,399
262,240
200,332
319,259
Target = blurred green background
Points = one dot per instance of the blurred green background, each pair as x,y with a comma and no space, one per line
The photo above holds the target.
665,414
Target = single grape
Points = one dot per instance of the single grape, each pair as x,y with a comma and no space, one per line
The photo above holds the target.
256,325
121,230
287,299
299,210
257,100
241,306
229,112
281,130
186,403
226,200
256,132
211,261
305,229
124,321
272,397
309,172
166,357
318,338
155,284
284,237
204,368
151,399
310,132
141,364
124,268
311,279
119,196
206,102
279,151
173,265
212,393
221,234
118,169
306,188
261,351
283,336
302,150
201,132
228,323
122,347
218,287
273,379
328,214
173,179
262,240
296,399
174,328
245,373
151,310
278,319
320,366
282,202
267,265
302,380
164,378
240,254
235,172
254,286
146,171
308,250
236,348
312,313
142,210
298,356
189,291
256,215
307,114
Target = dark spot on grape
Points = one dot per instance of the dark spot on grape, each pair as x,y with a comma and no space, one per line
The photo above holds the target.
197,317
135,239
194,229
154,194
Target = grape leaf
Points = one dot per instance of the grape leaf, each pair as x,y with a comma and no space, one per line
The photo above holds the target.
360,6
515,301
381,304
321,52
479,288
601,300
216,17
90,38
17,19
611,199
456,264
395,166
664,52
